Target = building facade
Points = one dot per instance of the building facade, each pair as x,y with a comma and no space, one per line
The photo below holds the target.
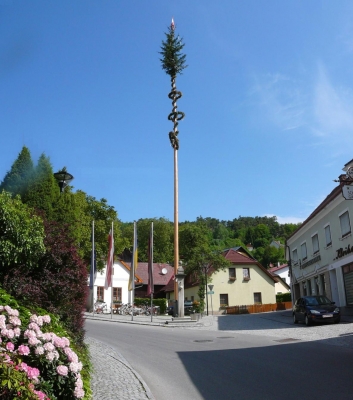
244,282
321,250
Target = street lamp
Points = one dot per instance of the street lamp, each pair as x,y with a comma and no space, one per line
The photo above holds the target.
63,178
179,305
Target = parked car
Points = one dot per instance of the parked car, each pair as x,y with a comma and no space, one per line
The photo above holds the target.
315,309
188,308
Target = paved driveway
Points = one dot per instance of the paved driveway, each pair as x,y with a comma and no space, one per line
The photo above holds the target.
280,325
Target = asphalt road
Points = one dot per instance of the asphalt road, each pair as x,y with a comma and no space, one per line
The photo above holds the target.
240,357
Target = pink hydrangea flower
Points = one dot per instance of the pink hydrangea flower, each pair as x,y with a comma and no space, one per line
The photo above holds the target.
41,395
79,393
30,333
62,370
50,356
15,321
2,321
17,332
34,318
34,327
33,341
39,350
46,319
79,382
10,346
49,346
71,355
75,367
23,350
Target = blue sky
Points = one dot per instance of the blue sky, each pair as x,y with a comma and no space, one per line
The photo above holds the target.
268,98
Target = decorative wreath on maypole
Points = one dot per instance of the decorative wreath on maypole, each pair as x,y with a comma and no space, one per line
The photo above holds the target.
173,62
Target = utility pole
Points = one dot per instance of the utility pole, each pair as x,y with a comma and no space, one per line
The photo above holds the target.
173,63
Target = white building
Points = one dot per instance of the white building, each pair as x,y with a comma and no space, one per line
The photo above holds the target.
283,285
321,250
121,293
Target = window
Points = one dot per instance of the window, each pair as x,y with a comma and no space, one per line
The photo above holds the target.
257,298
345,224
315,240
100,293
246,274
223,300
328,235
232,274
303,250
117,294
295,256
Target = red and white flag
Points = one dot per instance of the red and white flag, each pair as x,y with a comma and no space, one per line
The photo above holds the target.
172,24
150,287
110,261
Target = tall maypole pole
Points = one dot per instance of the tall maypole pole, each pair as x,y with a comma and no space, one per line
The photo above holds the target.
173,63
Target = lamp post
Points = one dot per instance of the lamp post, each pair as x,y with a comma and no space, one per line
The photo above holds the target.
63,178
205,268
211,290
179,305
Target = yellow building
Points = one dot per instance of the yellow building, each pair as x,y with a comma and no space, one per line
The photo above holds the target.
244,282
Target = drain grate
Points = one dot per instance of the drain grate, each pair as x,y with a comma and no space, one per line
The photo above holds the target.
203,341
225,337
287,340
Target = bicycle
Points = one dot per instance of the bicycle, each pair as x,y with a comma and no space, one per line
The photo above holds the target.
100,307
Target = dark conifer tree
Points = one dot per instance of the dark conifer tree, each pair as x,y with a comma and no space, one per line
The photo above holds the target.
16,180
43,191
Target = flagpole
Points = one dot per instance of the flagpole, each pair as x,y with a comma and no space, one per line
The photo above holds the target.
111,276
133,274
92,266
151,283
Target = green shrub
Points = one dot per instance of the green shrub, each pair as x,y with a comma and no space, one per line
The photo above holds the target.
10,378
282,297
162,303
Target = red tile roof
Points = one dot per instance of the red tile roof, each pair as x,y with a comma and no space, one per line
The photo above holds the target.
275,269
238,256
159,277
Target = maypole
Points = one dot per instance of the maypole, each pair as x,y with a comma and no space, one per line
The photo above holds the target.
173,62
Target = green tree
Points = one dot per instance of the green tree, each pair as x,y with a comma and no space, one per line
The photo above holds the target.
103,215
197,253
269,255
163,233
43,191
19,177
173,61
21,234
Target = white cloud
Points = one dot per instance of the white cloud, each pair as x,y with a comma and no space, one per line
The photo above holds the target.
286,220
281,99
332,108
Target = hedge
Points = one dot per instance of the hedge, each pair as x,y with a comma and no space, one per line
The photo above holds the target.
283,297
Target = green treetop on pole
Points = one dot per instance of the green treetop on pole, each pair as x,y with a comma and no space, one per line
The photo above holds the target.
173,63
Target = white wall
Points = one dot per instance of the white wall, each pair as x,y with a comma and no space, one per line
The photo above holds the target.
120,280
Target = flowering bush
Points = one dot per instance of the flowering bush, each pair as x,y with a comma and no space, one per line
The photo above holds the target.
36,364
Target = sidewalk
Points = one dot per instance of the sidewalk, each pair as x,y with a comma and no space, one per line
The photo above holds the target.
113,378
